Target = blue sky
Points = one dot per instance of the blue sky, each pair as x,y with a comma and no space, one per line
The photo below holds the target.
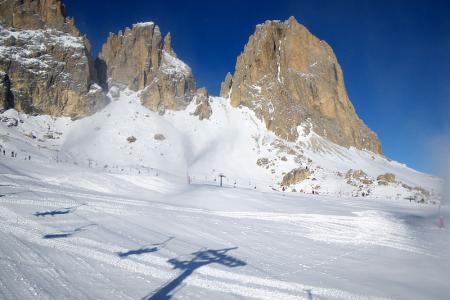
395,54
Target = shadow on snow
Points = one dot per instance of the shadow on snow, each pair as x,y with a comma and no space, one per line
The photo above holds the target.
199,259
143,250
56,212
65,234
137,252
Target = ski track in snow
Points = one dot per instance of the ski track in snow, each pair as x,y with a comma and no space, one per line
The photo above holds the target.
152,266
363,228
149,265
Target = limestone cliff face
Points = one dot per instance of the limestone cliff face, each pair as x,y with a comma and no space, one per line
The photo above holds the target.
36,14
46,66
139,59
289,78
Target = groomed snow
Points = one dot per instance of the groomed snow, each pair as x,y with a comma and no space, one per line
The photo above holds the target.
68,231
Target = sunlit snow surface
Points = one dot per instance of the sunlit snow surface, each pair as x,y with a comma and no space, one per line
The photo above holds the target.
130,227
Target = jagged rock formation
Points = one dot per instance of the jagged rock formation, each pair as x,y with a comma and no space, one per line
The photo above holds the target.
225,87
47,65
37,14
129,57
137,58
295,176
168,45
289,78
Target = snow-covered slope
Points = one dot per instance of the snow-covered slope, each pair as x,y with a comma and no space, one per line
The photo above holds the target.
127,137
72,232
102,207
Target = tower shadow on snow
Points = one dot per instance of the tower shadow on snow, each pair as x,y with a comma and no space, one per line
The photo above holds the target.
200,258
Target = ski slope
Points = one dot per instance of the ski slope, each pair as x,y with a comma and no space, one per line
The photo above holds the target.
156,237
97,215
232,142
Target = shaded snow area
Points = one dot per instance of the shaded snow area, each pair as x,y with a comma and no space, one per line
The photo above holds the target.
126,204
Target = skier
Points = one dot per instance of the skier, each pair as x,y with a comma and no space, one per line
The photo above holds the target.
441,222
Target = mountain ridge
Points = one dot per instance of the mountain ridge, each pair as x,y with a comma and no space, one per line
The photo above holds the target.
288,79
137,58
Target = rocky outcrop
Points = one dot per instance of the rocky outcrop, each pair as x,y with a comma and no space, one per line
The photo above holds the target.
159,137
225,87
295,176
138,59
46,63
203,109
356,177
289,77
5,91
385,179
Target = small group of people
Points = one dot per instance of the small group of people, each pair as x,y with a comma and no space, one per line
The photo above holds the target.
13,153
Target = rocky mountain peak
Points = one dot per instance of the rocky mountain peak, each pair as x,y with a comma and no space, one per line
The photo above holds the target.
46,64
37,14
129,56
138,59
292,80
